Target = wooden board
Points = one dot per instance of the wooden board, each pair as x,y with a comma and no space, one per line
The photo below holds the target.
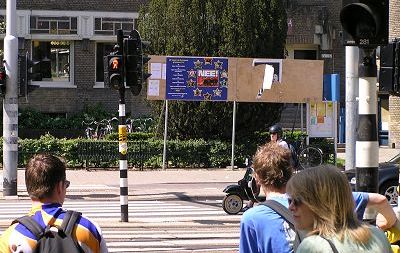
302,81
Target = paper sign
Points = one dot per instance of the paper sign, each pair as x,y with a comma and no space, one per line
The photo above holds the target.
155,70
154,88
268,77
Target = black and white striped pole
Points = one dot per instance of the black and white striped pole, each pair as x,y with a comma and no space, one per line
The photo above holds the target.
367,145
114,73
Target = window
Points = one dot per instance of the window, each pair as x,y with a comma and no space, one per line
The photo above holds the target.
53,25
109,26
54,60
305,54
102,49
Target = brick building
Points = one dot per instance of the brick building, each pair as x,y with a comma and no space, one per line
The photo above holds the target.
70,37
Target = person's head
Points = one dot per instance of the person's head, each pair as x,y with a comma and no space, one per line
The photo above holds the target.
272,166
275,132
321,202
45,178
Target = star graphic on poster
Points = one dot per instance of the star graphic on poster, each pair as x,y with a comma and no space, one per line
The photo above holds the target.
190,83
217,92
224,83
207,96
197,92
224,74
192,73
207,60
218,64
198,64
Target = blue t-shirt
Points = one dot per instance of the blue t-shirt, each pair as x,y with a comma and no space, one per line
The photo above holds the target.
361,201
263,230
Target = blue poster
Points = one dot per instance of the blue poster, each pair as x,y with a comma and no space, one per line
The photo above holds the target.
197,78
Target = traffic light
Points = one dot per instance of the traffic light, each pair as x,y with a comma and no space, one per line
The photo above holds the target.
3,78
365,22
113,71
25,64
135,62
389,68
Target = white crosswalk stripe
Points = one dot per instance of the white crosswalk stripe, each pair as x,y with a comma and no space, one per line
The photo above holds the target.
154,226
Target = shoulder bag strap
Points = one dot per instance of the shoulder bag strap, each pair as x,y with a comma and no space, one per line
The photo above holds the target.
280,209
31,224
284,212
69,221
334,249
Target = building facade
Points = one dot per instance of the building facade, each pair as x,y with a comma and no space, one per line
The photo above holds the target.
71,37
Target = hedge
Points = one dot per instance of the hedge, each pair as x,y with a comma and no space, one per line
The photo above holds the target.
145,152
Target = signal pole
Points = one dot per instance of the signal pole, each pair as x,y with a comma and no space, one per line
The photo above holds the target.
10,102
367,146
122,138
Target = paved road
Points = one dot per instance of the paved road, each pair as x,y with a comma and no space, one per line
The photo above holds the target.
154,226
169,211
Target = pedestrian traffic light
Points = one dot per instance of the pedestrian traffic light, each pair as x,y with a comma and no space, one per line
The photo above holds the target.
365,22
3,78
25,64
114,71
135,60
389,80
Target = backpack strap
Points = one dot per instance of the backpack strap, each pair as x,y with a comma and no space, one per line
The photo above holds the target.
69,221
286,215
32,225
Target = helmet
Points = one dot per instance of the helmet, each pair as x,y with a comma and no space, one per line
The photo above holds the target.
276,129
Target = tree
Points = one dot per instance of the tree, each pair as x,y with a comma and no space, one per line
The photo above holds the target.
231,28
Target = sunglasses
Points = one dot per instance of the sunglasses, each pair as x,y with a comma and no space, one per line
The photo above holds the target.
67,183
296,202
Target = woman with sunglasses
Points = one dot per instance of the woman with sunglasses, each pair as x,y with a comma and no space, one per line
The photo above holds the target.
321,202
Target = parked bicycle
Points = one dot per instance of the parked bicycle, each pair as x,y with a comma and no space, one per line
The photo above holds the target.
139,125
98,129
308,155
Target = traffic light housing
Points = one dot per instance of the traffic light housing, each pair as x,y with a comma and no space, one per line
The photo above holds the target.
365,22
135,61
25,64
114,71
3,80
389,80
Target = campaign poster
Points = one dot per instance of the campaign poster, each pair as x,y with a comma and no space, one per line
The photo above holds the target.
197,78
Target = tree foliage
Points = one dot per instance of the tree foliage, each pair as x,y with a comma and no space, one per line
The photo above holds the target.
231,28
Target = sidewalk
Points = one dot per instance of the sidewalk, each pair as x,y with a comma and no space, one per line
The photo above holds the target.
385,153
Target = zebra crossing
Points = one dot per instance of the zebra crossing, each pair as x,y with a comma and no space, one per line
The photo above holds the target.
154,226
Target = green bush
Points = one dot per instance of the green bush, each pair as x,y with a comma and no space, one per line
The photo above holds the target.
146,152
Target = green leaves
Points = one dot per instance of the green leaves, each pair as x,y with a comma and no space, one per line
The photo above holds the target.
231,28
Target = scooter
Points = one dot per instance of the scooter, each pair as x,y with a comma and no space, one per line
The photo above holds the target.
236,194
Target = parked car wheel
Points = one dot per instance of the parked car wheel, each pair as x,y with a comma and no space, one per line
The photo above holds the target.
389,190
232,203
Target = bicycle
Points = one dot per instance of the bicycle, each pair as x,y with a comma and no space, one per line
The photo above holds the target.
308,155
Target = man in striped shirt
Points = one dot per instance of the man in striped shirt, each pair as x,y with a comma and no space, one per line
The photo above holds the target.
47,185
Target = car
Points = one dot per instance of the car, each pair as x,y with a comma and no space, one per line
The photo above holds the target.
388,178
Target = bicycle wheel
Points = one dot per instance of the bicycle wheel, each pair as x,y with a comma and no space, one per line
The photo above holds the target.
310,157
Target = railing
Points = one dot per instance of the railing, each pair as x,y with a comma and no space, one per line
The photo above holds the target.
141,154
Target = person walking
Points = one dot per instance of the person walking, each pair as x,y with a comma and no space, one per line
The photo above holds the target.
322,204
46,183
